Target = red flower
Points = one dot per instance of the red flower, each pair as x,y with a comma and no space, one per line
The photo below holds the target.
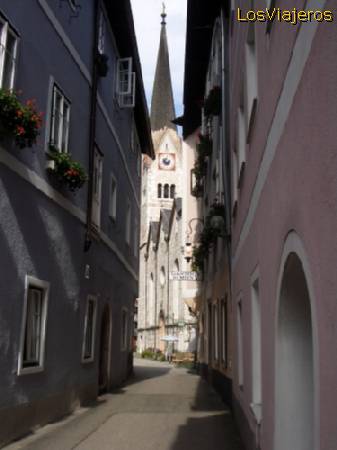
20,130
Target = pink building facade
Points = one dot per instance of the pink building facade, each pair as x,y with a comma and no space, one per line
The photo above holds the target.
283,138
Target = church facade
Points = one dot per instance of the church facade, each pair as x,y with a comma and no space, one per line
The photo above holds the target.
166,305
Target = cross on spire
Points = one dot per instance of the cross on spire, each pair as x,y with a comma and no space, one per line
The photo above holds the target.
163,15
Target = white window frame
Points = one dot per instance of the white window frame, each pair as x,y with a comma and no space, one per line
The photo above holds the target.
128,222
97,188
44,286
125,83
56,137
124,330
113,198
5,31
91,358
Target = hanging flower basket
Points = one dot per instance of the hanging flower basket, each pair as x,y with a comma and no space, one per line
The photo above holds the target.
68,172
212,104
19,121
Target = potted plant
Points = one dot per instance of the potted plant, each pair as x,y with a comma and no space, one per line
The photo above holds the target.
17,120
212,104
66,170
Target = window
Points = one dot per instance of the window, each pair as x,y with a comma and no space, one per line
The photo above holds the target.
101,33
97,188
60,119
128,223
89,330
251,79
216,332
172,191
224,332
166,191
113,198
31,355
159,192
240,344
8,52
124,336
256,344
162,277
126,81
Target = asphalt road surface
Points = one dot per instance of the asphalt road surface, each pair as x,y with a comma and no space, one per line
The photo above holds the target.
161,408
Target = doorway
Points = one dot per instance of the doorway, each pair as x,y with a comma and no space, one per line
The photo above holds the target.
104,353
294,378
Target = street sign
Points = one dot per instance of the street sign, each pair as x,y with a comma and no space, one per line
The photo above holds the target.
185,276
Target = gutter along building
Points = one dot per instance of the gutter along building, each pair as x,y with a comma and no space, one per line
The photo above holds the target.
278,134
69,260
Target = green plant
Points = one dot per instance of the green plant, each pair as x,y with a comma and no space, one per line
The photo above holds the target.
67,171
212,104
22,122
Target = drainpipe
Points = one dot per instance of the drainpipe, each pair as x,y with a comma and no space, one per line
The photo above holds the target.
92,126
226,176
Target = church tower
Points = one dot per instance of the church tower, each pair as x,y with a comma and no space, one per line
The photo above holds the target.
162,176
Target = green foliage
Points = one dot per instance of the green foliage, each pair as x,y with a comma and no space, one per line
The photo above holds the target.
68,171
22,122
208,237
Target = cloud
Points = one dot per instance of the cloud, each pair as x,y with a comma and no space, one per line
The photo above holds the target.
147,24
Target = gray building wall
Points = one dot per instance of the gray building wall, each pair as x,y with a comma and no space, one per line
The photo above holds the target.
42,226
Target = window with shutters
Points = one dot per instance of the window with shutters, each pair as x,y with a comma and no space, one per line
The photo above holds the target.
8,53
60,120
88,350
126,83
124,330
31,355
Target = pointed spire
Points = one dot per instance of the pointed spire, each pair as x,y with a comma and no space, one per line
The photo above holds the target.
162,104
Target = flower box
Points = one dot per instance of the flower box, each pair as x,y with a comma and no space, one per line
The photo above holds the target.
67,171
19,121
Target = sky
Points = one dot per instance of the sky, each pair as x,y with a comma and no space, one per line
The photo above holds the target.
147,24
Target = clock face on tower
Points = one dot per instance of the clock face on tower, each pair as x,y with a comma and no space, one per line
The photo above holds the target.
167,161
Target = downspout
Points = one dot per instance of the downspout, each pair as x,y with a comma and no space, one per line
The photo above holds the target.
155,299
168,278
226,137
92,127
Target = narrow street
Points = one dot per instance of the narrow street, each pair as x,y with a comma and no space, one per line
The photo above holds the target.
161,408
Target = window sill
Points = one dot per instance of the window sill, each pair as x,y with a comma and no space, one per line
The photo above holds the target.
88,360
30,370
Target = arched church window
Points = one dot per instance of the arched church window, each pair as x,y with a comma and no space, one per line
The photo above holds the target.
172,190
166,191
159,190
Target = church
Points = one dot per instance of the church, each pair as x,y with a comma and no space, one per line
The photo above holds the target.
167,304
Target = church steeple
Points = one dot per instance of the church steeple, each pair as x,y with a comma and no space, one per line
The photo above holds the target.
162,104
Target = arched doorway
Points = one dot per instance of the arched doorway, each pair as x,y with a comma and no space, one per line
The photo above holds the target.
294,377
104,351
